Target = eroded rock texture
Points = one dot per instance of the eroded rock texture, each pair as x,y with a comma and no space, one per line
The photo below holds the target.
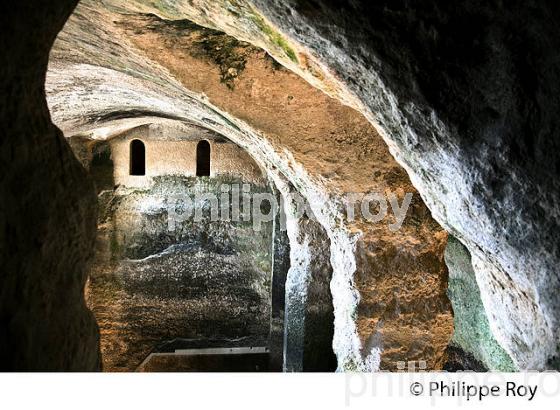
179,261
309,319
111,71
206,282
47,209
465,96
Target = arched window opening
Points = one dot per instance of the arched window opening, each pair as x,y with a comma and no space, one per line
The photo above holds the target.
137,158
203,159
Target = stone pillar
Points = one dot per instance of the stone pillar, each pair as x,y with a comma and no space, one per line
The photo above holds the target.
308,327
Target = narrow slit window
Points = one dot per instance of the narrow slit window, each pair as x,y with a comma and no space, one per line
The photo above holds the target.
203,159
137,158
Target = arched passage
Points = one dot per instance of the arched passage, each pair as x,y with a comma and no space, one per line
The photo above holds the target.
203,159
137,158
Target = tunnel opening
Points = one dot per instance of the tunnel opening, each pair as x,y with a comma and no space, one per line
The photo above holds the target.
203,159
137,158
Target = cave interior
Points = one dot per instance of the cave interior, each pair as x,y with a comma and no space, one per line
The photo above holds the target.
299,186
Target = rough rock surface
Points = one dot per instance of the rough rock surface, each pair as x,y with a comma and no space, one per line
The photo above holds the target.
318,354
178,294
309,319
458,360
465,96
47,209
206,280
280,269
132,68
472,332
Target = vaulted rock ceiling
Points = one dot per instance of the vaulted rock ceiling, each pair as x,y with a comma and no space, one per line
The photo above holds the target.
458,101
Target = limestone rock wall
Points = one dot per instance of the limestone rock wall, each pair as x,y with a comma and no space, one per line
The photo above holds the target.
465,96
324,149
164,276
308,316
318,354
172,151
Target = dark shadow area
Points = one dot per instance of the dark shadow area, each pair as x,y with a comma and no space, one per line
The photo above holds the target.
137,158
203,159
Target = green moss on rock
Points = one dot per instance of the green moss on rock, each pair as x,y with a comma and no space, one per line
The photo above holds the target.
472,330
273,36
